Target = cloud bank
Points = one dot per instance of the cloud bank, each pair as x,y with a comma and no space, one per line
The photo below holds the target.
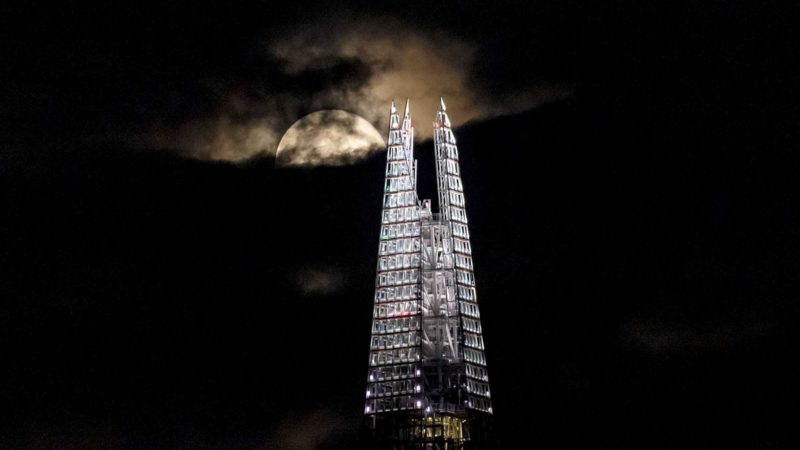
358,68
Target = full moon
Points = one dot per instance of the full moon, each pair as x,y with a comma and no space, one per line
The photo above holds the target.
331,137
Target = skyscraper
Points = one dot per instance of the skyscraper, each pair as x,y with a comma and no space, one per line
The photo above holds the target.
427,385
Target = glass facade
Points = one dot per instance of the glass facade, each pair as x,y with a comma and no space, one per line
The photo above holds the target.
427,380
394,382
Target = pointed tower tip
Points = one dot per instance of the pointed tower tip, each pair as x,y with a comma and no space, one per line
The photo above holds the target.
408,109
393,109
442,107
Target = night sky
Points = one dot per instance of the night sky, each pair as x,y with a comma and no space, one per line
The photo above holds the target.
630,171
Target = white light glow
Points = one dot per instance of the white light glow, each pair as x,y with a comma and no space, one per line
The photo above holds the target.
417,249
328,138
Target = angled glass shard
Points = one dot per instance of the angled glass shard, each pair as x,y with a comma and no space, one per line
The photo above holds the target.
427,383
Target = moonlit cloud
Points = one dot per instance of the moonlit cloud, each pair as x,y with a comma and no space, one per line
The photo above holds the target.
320,280
218,139
359,68
403,63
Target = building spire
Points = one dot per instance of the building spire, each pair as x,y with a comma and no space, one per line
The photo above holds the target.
393,110
441,116
408,108
426,329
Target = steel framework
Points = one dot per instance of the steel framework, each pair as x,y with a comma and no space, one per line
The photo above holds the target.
427,386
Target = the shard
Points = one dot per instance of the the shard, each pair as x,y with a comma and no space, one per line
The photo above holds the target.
427,385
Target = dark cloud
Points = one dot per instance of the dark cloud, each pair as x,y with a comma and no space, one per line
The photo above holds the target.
356,66
224,83
308,431
662,337
320,280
